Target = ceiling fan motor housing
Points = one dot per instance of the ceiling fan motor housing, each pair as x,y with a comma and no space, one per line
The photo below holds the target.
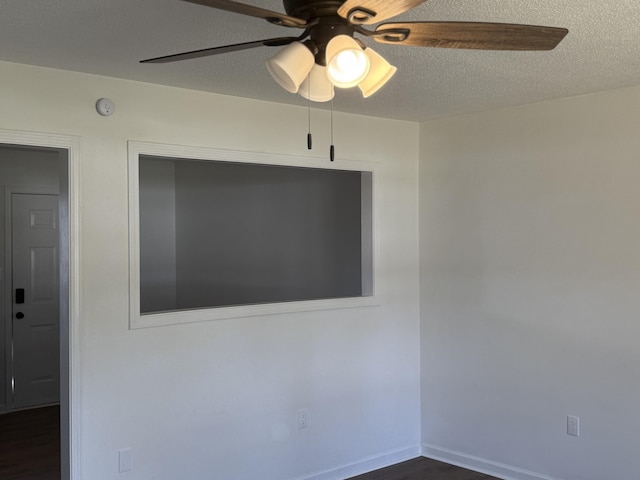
309,9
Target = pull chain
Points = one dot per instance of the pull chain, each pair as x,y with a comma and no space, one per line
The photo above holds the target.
309,139
332,149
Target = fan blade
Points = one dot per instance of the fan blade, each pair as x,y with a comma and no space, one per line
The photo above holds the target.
205,52
366,12
481,36
273,17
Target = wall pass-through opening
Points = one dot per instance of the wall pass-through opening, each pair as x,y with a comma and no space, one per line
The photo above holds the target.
218,234
228,236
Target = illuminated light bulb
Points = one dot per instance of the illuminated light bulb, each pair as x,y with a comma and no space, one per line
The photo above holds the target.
347,64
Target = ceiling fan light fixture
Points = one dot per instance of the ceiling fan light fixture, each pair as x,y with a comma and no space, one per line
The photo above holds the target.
329,27
347,64
291,65
317,86
380,73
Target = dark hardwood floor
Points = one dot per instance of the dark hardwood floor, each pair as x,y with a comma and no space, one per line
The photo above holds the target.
423,469
30,444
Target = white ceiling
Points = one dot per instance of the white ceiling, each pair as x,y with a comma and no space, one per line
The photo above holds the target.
109,37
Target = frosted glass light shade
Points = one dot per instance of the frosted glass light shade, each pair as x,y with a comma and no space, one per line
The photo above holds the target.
317,86
291,65
379,73
347,64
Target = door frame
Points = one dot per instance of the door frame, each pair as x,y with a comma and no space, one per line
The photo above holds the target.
9,191
70,393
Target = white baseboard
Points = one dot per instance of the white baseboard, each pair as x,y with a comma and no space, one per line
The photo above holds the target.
365,465
495,469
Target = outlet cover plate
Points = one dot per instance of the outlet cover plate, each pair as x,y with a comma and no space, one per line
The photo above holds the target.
125,460
573,425
303,418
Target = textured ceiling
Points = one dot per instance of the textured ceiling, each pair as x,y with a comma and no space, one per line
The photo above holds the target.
109,37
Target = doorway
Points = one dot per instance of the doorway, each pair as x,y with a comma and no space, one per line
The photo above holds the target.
34,347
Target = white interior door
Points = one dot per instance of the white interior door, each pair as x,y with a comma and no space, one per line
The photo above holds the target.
35,297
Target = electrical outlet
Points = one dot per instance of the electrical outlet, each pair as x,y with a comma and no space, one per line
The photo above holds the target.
125,460
573,425
303,418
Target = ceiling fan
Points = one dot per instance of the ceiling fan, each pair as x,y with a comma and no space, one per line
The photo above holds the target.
326,54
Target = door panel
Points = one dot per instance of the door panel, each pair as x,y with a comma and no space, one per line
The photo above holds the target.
36,322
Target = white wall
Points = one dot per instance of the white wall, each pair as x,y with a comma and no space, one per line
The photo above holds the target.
19,167
219,399
530,273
